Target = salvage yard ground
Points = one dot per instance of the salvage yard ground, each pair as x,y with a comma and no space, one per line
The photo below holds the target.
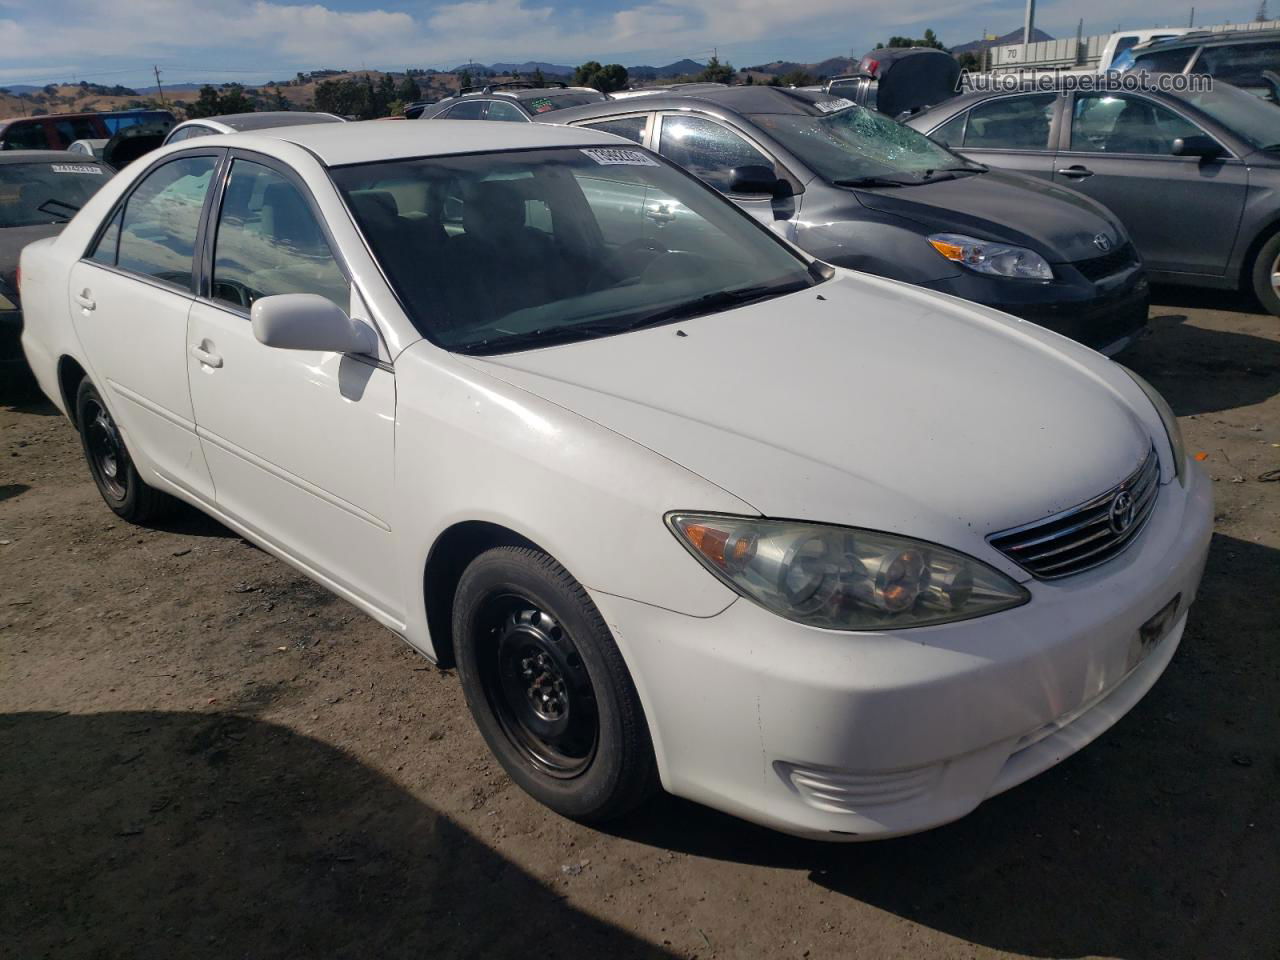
204,755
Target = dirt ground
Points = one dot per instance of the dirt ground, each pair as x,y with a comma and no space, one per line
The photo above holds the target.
203,755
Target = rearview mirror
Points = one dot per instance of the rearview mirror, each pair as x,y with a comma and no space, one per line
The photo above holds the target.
1206,148
755,178
308,321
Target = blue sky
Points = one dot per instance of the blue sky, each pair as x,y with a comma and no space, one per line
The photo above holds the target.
252,41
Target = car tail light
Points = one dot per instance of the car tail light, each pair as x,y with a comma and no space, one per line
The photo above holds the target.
869,65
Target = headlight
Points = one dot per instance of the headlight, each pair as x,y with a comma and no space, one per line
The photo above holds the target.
842,578
1171,428
996,259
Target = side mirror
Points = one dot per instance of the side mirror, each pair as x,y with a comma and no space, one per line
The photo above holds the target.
308,321
1206,148
755,178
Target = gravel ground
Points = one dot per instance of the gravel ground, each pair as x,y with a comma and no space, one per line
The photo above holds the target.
204,755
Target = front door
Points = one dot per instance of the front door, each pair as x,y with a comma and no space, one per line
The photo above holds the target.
1014,132
1182,212
129,300
300,443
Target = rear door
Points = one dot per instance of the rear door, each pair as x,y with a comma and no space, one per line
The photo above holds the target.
1182,212
129,298
1014,132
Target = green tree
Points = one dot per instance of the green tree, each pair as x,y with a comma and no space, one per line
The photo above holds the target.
716,72
346,98
232,99
775,81
605,78
930,39
464,79
277,100
408,91
207,104
538,78
796,78
969,61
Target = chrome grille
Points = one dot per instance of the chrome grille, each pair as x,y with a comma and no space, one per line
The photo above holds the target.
1088,534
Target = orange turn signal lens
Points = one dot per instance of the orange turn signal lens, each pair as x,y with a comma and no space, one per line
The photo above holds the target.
952,251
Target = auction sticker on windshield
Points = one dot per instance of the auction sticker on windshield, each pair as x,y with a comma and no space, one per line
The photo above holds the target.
831,106
76,168
607,156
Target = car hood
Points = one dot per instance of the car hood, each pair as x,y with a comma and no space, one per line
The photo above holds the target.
1058,223
861,401
13,239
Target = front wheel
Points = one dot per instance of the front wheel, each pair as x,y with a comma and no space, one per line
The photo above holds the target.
109,462
548,687
1266,276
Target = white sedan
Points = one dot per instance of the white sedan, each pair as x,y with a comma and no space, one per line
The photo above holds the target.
684,506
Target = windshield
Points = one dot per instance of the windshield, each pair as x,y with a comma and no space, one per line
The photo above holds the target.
1252,119
32,193
491,253
539,105
856,144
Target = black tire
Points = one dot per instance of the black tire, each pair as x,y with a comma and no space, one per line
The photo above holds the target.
1264,265
111,466
548,687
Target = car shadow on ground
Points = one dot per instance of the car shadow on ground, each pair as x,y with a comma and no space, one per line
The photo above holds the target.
1156,842
1203,370
20,392
246,839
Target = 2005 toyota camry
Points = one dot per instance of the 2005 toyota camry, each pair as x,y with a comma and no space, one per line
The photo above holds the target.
685,507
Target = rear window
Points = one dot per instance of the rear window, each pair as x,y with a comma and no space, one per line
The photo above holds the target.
120,121
24,135
32,193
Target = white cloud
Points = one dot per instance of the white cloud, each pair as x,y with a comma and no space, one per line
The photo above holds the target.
202,36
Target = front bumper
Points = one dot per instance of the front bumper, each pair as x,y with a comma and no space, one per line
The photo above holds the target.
1107,315
840,736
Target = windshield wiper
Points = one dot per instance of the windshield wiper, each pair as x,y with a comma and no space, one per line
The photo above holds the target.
698,306
57,203
873,182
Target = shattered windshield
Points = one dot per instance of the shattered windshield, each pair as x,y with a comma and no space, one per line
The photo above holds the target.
855,145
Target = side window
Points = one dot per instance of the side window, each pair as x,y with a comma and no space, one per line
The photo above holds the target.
109,242
162,218
26,136
500,110
1011,123
707,149
951,133
1241,64
78,128
190,133
269,242
630,127
1164,61
1121,124
467,110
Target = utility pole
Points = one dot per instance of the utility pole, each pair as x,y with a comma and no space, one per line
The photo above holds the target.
1192,21
1027,27
159,89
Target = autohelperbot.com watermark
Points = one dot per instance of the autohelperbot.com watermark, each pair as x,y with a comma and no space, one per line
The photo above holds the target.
1065,81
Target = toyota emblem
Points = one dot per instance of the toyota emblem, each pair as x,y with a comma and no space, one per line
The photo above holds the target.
1102,242
1121,512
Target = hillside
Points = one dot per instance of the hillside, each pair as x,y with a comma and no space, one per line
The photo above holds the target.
974,46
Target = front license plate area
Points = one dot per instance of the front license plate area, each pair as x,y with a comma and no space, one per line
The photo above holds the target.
1153,631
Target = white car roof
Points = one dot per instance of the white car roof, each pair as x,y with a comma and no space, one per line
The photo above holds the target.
337,144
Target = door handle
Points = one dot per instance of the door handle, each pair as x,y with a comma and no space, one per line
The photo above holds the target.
206,357
1076,172
86,302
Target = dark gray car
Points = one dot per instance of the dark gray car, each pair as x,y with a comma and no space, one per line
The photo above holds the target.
856,189
517,101
1195,176
40,190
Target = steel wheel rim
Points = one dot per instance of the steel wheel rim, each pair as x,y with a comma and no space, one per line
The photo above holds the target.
107,454
537,687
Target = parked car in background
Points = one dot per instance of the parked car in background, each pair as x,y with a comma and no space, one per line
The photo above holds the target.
40,190
856,189
464,377
1115,53
900,81
413,109
237,122
692,87
90,148
59,131
516,100
1242,58
1195,177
